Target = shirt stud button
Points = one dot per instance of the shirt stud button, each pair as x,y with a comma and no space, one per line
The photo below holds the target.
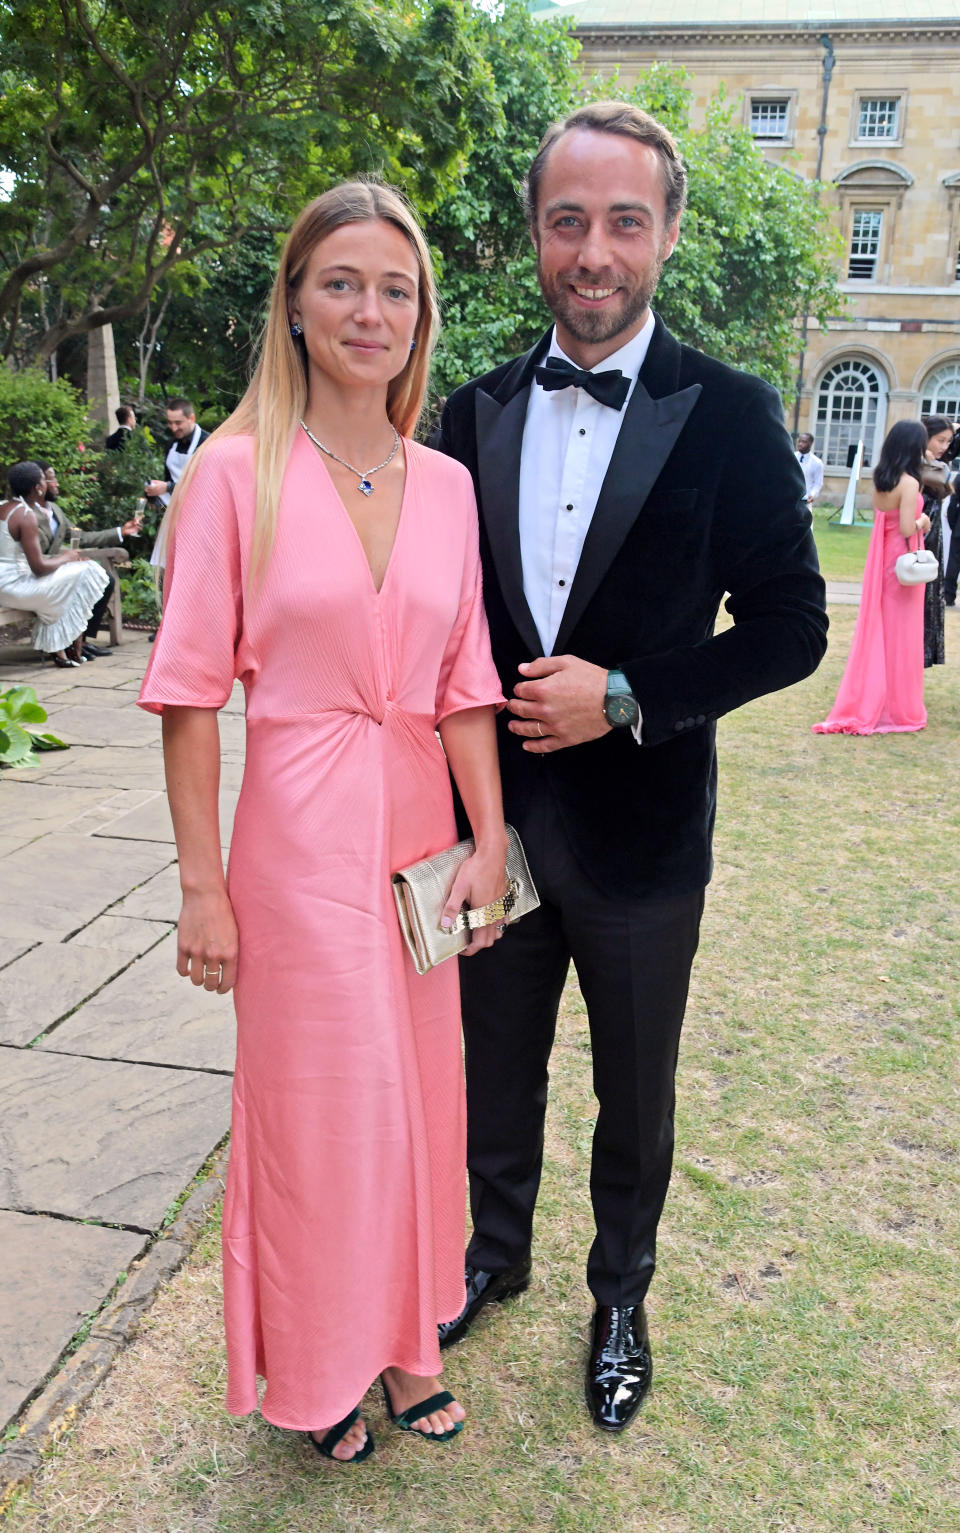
561,582
569,505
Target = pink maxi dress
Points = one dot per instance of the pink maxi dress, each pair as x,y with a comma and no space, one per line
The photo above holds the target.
344,1222
881,690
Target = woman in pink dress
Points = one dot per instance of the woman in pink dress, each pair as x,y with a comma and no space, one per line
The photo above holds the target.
331,563
882,686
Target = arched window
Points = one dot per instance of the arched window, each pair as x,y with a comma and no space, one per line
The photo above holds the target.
941,392
851,403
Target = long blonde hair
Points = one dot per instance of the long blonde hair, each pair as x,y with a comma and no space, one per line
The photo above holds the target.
277,394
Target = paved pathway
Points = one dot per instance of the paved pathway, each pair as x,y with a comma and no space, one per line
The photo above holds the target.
114,1072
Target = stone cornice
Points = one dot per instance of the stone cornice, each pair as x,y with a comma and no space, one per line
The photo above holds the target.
799,34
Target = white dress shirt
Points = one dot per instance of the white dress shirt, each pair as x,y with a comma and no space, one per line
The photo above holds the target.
568,441
812,472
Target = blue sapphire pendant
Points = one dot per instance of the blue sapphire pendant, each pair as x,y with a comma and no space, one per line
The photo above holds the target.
365,487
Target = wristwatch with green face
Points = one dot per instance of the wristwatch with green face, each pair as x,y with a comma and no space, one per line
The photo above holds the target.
620,707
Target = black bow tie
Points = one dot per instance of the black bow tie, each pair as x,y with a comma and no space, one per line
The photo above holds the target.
610,388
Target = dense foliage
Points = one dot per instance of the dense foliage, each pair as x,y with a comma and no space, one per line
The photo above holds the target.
201,140
136,138
40,419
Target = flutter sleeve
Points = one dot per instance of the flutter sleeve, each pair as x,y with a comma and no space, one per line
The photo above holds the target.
193,663
468,676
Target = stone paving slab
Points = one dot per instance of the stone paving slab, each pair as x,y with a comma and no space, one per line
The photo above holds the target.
92,724
119,770
48,982
125,934
91,1138
98,819
61,881
152,1015
12,843
89,697
156,900
11,948
60,1272
38,806
151,821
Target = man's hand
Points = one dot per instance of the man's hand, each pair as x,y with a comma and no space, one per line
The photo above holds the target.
559,704
131,528
155,487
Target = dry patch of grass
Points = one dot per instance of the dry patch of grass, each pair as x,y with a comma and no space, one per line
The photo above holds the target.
805,1311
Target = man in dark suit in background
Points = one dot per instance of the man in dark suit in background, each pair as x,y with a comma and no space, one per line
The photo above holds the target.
615,514
126,420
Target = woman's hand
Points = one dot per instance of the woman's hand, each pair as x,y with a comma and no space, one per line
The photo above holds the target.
923,523
479,881
207,941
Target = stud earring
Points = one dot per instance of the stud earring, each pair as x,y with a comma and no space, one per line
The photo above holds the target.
296,329
413,345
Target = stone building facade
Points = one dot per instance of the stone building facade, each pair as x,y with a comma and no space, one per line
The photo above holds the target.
866,90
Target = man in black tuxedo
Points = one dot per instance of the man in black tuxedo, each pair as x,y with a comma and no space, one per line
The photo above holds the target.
615,514
126,421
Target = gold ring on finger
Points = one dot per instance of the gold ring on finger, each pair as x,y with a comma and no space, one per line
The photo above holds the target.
539,729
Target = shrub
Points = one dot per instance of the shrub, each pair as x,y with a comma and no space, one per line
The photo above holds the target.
40,419
138,592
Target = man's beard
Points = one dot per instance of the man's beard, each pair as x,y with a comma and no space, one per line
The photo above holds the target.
598,325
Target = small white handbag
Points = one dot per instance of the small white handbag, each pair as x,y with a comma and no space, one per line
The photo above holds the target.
917,568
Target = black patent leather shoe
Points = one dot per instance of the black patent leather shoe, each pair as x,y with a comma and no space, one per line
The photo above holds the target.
620,1369
484,1288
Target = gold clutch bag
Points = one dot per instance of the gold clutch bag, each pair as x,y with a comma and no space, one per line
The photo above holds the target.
421,893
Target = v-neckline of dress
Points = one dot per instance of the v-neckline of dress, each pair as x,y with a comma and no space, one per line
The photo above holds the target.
401,518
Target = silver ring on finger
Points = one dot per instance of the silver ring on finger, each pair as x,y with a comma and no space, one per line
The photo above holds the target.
539,729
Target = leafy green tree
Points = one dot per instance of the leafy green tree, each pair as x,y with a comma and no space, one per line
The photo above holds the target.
491,300
756,250
139,135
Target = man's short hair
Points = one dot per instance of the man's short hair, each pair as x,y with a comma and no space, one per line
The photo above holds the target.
24,477
630,122
123,414
181,404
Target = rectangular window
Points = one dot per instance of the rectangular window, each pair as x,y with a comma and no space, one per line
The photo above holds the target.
879,117
770,117
864,245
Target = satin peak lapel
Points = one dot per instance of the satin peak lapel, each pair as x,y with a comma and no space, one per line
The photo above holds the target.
647,437
499,442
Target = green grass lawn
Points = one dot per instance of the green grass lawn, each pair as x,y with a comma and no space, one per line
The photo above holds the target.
842,550
805,1311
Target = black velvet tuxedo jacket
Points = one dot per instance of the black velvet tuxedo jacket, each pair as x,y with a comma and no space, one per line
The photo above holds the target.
703,497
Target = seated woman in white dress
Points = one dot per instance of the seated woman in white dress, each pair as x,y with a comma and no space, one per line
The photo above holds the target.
60,591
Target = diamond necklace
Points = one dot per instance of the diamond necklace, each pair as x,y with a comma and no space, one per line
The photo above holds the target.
365,487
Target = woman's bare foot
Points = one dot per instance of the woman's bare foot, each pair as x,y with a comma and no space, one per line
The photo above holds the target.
407,1389
350,1443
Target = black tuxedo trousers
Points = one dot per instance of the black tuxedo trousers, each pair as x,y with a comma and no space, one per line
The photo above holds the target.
633,959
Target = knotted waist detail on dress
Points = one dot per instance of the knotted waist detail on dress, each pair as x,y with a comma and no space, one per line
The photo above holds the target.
381,712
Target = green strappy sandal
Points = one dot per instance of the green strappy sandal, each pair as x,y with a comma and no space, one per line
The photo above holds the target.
336,1434
406,1418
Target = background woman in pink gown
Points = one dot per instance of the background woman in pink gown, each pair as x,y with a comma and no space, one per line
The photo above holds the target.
332,564
882,686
